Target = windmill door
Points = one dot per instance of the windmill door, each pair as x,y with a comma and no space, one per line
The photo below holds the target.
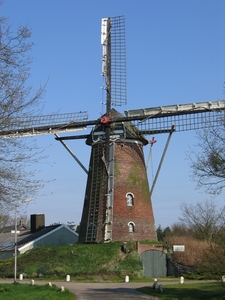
154,263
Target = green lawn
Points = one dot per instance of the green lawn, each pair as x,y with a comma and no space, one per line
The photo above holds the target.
84,262
34,292
199,291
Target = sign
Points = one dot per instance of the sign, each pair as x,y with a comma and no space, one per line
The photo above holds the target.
178,248
117,133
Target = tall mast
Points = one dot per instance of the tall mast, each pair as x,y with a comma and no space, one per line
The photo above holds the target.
106,60
106,68
108,77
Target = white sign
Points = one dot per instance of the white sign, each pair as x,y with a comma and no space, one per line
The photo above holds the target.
178,248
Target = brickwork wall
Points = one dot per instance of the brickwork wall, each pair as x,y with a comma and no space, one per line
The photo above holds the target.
146,247
130,177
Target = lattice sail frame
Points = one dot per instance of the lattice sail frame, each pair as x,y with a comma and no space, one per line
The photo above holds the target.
113,39
192,116
118,62
182,122
44,124
154,120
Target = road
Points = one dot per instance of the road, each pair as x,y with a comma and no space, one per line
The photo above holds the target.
98,291
103,291
109,291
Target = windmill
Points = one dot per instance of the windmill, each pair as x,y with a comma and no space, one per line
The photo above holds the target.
117,201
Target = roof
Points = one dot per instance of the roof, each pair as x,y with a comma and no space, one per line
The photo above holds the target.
7,240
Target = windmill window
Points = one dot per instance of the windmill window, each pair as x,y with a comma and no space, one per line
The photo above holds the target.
130,199
131,227
91,230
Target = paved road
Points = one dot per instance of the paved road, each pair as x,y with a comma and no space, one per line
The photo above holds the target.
112,291
103,291
109,291
99,291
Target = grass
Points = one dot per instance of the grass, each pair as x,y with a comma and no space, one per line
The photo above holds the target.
152,242
200,291
83,262
36,292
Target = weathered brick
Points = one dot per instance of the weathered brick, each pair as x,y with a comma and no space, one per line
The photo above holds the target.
129,177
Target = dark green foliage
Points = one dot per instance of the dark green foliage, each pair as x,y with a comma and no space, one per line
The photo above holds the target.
159,233
78,229
166,231
162,233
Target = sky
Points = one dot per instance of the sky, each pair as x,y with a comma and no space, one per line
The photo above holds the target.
175,54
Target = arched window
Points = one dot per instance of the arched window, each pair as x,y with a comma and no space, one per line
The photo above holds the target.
91,232
130,199
131,227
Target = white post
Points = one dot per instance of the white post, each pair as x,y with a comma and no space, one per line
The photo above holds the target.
155,284
32,282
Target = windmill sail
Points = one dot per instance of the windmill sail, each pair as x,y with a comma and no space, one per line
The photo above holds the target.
114,60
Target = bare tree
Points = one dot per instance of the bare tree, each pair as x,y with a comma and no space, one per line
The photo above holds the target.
208,165
180,229
18,100
204,219
4,221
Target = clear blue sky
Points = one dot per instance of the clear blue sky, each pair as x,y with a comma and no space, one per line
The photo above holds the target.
175,54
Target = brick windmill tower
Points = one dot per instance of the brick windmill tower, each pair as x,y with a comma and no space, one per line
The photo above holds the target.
117,204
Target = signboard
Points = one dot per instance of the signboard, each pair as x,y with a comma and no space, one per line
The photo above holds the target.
118,133
178,248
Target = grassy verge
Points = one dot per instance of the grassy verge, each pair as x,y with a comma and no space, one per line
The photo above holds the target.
83,262
36,292
200,291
